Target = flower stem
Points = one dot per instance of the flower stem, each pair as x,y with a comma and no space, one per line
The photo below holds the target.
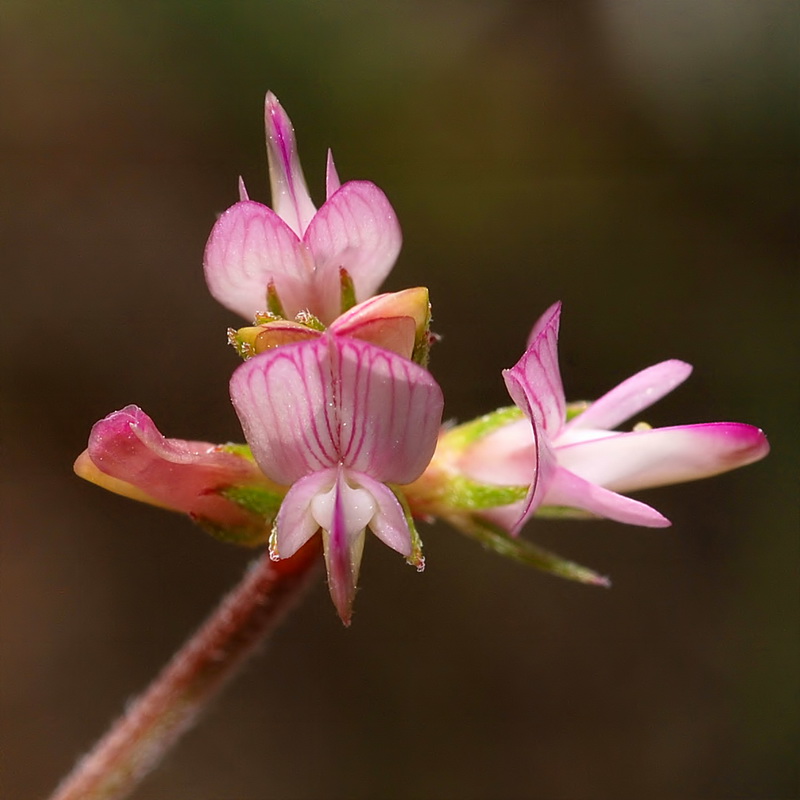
139,739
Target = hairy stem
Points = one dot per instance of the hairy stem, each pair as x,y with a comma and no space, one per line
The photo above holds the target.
138,741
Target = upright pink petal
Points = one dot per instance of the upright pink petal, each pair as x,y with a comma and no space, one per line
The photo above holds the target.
632,395
537,378
390,410
249,246
356,229
626,462
286,401
290,197
309,406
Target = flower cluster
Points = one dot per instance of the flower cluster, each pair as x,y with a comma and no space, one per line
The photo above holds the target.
342,419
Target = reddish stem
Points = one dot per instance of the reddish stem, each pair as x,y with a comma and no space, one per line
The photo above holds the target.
139,739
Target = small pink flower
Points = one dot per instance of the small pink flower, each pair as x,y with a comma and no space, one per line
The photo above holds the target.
296,248
337,419
582,463
128,455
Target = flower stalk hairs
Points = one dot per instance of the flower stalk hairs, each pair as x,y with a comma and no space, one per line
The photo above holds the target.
343,437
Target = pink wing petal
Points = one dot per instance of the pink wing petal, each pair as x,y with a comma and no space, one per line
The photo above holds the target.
249,246
290,198
356,229
389,522
632,395
285,399
390,410
568,489
640,459
181,475
536,375
295,523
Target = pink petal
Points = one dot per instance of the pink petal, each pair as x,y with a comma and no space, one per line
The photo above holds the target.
290,198
344,518
568,489
249,246
295,523
390,410
332,182
504,457
660,456
632,395
309,406
356,229
285,399
537,378
389,522
127,454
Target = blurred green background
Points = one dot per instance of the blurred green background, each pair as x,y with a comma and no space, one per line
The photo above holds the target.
637,160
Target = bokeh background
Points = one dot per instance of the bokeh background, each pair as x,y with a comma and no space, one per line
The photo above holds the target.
636,159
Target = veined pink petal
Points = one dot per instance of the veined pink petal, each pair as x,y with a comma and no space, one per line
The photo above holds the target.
628,461
296,523
388,522
290,198
249,246
567,489
286,401
356,229
309,406
332,182
390,410
536,375
186,476
632,395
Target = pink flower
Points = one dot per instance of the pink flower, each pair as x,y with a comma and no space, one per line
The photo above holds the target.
582,463
337,419
218,486
298,250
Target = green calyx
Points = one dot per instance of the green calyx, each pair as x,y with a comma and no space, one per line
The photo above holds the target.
495,539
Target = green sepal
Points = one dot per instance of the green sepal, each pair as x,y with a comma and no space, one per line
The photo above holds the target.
563,512
422,341
463,494
348,290
464,435
523,551
415,557
256,499
576,409
241,450
306,318
245,536
243,349
274,305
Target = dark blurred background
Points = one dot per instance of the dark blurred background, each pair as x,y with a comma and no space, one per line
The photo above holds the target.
637,160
